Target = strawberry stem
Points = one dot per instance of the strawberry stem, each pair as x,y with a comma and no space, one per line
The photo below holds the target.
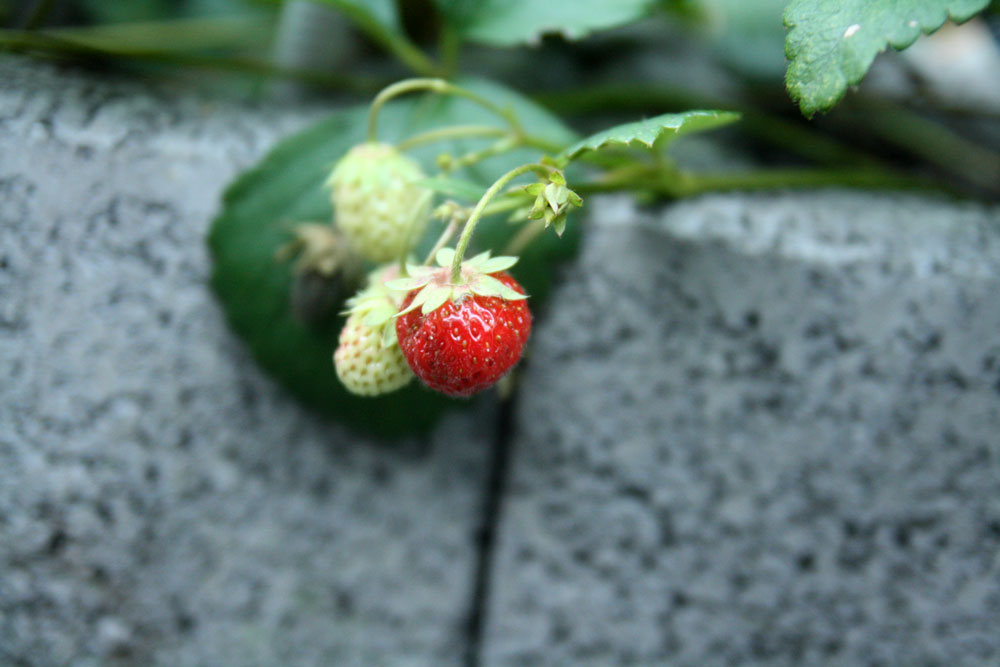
446,235
477,212
439,86
453,132
405,250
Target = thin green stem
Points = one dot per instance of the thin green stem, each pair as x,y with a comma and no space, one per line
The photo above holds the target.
47,44
451,47
393,41
452,132
446,235
934,142
676,184
528,233
195,34
477,212
435,86
405,249
502,146
539,143
510,203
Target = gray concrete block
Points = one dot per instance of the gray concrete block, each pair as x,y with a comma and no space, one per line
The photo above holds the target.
761,430
161,501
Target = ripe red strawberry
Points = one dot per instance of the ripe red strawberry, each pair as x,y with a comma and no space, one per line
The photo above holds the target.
471,334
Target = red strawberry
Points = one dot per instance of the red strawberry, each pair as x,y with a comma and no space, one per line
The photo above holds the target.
465,337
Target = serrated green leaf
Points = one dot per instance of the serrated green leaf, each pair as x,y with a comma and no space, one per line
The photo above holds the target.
435,299
286,187
832,43
445,256
648,132
453,187
513,22
495,264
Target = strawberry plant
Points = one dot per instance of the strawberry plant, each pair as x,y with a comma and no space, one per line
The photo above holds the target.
460,194
394,255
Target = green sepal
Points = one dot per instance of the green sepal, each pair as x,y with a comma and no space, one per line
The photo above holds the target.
436,298
389,337
490,286
496,264
379,315
407,284
445,256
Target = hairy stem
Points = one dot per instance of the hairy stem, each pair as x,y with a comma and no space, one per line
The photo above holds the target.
452,132
65,43
405,250
446,235
391,40
477,212
435,86
675,184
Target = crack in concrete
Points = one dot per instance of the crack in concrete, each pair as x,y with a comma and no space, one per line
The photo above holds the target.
486,542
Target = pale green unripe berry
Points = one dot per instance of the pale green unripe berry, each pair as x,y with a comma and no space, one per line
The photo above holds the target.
376,200
365,364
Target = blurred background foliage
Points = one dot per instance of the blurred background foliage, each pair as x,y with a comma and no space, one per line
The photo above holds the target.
931,112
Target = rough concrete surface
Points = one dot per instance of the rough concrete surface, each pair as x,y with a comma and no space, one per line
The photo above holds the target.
161,501
754,430
761,430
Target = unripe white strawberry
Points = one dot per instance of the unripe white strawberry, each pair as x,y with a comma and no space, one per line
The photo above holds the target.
376,200
368,359
364,364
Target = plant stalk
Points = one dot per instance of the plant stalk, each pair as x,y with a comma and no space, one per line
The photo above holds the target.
435,86
477,212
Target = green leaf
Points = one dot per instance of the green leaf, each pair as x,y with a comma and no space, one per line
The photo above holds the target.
262,207
648,132
513,22
832,43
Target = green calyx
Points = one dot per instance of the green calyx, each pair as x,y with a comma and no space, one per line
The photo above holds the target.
553,201
377,305
437,288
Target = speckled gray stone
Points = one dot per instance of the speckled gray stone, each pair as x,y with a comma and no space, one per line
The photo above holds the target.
161,501
761,430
